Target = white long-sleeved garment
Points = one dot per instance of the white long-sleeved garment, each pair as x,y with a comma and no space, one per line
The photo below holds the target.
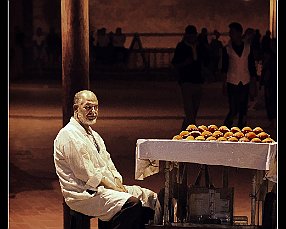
80,166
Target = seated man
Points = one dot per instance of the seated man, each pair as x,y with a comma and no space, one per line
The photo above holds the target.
89,181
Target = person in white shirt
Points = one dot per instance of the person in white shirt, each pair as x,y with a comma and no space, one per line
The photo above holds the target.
90,183
238,68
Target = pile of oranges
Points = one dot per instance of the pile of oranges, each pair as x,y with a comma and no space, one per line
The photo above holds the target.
223,133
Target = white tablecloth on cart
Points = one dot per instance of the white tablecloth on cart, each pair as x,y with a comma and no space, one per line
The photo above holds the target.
249,155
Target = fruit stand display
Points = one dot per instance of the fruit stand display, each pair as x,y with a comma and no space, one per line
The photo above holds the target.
250,148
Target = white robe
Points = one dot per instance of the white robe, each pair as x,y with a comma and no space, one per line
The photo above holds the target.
80,166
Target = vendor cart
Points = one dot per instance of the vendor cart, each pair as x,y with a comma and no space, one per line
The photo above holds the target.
257,156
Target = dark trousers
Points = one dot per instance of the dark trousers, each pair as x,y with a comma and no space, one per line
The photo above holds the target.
269,218
238,96
270,96
131,216
192,95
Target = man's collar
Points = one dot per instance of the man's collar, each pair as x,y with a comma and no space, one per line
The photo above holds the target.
78,126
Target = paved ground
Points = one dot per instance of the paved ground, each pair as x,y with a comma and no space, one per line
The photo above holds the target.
128,110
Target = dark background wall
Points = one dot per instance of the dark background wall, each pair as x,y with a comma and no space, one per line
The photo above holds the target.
174,15
171,16
160,15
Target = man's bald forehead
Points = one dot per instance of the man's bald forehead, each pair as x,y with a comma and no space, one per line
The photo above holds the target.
84,95
87,94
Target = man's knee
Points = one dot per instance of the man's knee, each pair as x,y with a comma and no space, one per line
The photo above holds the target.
130,214
133,203
143,214
132,208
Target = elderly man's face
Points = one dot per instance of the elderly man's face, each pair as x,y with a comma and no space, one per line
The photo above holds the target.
87,111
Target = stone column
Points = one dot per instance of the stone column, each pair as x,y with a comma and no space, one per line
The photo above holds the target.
75,51
75,61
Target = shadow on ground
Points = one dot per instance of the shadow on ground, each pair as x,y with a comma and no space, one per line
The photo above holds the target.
20,181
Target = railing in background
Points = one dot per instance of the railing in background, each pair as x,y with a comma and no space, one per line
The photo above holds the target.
158,57
154,52
155,58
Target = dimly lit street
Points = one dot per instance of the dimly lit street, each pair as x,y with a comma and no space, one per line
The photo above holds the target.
150,69
129,110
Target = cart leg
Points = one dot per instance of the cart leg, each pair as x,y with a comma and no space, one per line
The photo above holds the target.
253,198
225,177
166,196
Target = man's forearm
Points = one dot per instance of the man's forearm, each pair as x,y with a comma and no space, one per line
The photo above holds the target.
119,184
110,185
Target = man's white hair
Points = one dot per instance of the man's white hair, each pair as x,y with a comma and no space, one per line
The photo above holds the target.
78,97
